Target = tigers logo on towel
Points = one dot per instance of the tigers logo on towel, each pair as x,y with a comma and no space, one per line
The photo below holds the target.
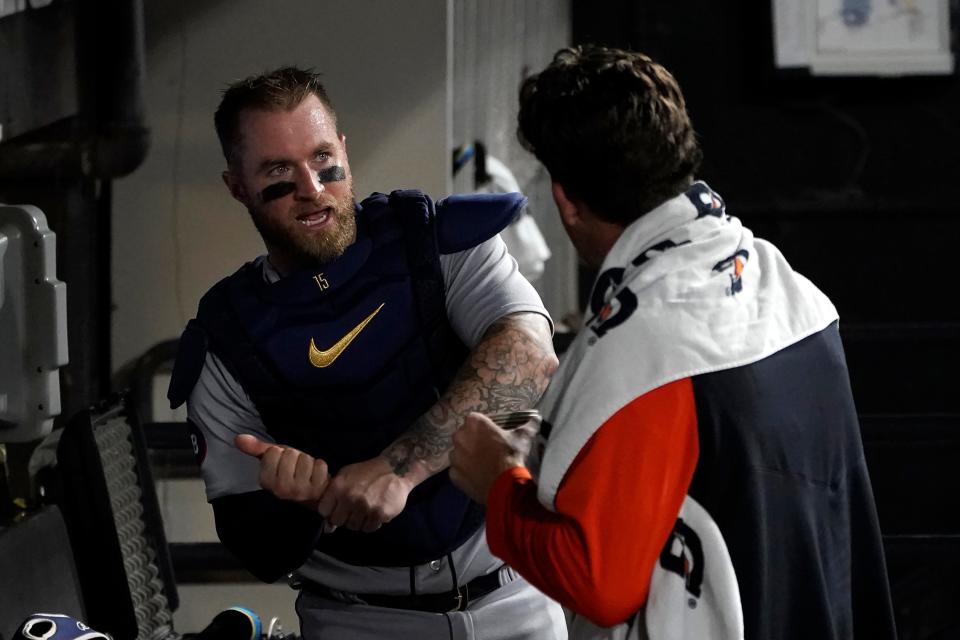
694,593
738,260
683,555
608,315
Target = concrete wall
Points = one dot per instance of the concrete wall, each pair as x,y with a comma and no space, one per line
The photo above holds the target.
496,44
176,231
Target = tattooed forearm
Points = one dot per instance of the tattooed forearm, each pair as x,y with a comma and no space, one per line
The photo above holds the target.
508,370
427,441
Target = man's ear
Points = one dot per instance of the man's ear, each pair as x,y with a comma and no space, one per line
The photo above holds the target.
236,188
568,207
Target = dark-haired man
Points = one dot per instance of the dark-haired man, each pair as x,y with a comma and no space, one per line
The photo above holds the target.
325,378
703,475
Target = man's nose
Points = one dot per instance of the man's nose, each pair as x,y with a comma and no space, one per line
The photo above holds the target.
308,184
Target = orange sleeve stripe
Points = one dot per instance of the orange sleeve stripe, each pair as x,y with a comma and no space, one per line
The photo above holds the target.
615,508
505,480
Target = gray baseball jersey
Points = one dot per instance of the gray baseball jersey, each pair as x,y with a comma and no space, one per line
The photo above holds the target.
482,285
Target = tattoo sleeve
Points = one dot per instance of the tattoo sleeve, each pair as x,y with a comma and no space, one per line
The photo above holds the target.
508,370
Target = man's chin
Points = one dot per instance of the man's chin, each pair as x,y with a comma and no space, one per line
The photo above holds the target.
313,251
307,256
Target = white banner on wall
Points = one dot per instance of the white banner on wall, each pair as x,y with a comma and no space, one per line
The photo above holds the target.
863,37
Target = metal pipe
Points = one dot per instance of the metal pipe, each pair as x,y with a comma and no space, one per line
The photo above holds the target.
108,138
111,69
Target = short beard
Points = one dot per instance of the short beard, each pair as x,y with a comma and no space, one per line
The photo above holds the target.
303,251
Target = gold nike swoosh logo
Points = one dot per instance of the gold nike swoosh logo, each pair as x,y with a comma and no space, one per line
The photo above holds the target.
321,359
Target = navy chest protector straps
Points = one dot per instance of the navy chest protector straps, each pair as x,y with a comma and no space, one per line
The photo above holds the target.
341,360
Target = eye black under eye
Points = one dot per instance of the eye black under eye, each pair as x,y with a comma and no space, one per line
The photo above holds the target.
277,190
332,174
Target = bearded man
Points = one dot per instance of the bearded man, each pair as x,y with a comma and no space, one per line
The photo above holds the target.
324,381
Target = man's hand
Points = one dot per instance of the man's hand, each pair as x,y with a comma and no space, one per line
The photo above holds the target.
364,496
286,472
482,451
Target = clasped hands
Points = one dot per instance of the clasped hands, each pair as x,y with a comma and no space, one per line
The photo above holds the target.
362,496
366,495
